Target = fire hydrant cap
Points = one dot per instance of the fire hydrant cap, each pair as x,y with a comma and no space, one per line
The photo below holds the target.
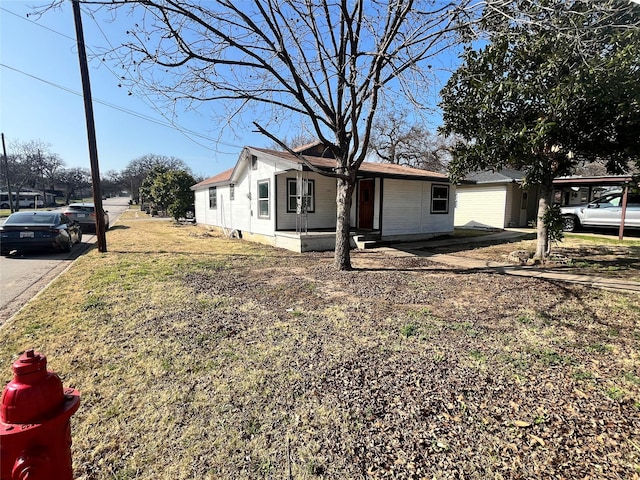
29,362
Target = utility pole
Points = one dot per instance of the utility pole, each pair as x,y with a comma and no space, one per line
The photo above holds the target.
91,129
6,174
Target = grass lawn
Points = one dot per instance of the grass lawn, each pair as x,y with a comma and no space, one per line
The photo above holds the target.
203,357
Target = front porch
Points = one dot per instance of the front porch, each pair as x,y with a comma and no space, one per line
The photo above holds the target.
323,240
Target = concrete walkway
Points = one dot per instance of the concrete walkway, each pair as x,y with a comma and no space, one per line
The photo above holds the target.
422,249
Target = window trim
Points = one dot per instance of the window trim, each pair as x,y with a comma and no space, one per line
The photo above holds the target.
213,199
312,196
435,199
266,199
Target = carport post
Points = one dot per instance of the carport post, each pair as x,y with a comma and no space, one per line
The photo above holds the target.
623,213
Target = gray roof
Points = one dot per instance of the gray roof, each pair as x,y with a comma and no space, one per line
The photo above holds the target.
506,175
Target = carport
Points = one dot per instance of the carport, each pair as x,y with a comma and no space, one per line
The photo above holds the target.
566,185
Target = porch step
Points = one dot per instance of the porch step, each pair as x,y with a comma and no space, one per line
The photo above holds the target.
367,241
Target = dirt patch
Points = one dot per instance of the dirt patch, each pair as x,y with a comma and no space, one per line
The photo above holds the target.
417,373
575,256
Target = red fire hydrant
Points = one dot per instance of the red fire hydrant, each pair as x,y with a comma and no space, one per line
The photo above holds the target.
35,431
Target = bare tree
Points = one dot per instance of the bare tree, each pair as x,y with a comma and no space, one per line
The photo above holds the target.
294,142
50,168
394,139
15,176
29,163
73,180
112,183
327,64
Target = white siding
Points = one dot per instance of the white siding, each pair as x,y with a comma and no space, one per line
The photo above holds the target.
406,209
204,214
401,207
241,205
324,215
481,206
201,201
513,208
241,213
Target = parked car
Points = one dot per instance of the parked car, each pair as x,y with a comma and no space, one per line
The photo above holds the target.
603,212
85,215
190,214
38,231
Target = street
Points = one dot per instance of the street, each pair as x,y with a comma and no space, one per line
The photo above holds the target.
23,276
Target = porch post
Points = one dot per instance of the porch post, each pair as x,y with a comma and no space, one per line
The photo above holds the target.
623,213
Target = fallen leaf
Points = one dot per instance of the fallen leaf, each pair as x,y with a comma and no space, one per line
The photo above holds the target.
537,439
579,393
521,424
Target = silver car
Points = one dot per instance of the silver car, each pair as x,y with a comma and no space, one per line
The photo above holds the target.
85,214
603,212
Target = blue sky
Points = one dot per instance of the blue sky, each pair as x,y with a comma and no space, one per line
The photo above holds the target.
40,98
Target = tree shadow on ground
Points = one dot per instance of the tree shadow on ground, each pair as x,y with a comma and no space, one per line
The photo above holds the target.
455,244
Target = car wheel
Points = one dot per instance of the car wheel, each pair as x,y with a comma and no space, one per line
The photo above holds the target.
570,223
32,205
4,206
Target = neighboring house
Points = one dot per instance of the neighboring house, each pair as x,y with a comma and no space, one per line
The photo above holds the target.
495,200
272,197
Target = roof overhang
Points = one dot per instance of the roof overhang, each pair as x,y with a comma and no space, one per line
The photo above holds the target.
590,181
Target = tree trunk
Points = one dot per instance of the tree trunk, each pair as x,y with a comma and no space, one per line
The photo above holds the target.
342,254
544,203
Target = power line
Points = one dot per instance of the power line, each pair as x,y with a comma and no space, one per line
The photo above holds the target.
37,24
168,122
110,105
122,109
149,102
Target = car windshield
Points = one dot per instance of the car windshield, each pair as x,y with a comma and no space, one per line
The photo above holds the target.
31,218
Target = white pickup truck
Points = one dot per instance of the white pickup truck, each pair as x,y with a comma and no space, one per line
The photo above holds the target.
603,212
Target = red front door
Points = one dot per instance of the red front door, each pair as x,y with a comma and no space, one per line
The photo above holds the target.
365,204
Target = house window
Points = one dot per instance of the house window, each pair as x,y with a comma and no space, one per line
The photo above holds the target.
213,198
307,196
263,199
254,162
232,192
440,199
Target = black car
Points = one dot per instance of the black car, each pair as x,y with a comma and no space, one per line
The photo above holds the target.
190,214
38,231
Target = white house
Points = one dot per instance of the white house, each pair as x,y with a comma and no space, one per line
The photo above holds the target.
272,197
495,200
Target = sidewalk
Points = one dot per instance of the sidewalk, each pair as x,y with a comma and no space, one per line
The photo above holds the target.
420,249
